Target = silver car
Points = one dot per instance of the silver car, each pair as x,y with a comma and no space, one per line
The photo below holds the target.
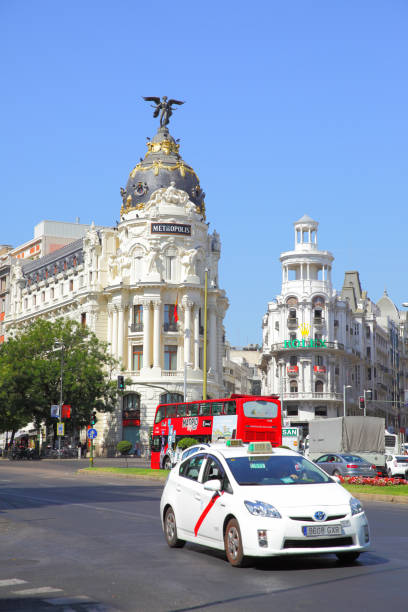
339,464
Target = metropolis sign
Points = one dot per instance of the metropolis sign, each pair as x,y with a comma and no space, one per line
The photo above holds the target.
171,228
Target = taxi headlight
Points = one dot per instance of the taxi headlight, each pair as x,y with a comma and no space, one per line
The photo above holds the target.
355,505
259,508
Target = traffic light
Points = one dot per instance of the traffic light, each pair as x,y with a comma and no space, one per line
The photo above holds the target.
121,383
362,402
93,418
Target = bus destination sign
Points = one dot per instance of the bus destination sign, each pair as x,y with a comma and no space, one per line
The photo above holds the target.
171,228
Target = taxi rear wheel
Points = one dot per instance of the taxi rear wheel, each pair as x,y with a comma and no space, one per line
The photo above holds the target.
233,544
170,529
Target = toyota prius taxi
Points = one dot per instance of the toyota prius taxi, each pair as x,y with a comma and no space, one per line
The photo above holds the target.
255,501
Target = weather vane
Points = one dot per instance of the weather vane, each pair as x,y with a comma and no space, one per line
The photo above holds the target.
164,107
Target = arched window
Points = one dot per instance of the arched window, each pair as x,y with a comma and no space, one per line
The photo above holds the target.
318,386
293,386
171,398
131,406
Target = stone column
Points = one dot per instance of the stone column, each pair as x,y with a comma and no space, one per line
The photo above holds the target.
187,330
196,338
109,338
114,331
121,314
156,333
146,334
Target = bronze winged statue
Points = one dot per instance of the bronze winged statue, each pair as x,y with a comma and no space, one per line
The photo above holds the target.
164,107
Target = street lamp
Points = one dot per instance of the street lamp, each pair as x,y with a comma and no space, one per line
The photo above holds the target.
60,346
344,398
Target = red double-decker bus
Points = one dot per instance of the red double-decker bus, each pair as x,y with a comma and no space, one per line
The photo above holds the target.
248,417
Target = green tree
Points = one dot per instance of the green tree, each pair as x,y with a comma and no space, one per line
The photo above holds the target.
30,374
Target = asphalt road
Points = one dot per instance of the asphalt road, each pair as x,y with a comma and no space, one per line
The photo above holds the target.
73,542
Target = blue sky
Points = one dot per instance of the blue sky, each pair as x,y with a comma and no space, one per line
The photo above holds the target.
292,107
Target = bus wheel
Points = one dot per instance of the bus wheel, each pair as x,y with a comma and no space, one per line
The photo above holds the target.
170,529
167,463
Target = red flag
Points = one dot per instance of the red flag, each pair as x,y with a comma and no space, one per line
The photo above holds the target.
175,313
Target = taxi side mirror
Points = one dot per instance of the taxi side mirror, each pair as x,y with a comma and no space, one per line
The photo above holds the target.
213,485
336,479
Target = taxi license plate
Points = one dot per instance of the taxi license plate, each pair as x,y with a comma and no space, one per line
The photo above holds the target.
322,530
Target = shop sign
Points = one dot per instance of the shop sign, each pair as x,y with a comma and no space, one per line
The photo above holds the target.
306,342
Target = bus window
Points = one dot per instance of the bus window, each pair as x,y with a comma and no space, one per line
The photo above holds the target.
259,409
193,409
181,410
159,415
171,411
217,408
205,409
230,408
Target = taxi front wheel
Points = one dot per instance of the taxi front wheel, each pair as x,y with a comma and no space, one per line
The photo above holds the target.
170,530
233,544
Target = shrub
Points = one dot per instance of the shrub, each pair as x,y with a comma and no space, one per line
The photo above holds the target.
186,443
124,447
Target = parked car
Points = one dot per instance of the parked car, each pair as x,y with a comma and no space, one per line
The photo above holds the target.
337,464
180,455
397,465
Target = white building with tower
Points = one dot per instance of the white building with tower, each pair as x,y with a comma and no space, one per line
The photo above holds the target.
323,349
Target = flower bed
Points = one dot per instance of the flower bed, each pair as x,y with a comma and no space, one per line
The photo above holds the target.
373,482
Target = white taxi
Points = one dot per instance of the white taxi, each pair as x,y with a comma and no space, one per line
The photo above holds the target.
255,501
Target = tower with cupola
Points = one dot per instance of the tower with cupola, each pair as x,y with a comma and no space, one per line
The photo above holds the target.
303,345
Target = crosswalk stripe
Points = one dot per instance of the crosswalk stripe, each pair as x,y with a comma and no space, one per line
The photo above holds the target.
12,582
37,591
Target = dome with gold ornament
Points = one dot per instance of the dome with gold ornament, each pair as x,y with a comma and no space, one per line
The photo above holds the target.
162,166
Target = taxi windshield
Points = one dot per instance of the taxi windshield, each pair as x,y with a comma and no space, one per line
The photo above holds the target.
275,470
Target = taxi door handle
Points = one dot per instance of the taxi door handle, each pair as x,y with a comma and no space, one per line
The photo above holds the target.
178,489
197,497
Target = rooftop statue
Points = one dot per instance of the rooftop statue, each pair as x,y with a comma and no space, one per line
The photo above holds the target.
164,107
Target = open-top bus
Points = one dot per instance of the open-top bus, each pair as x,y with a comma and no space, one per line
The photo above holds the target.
248,417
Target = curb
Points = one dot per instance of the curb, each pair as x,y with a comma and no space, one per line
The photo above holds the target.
396,499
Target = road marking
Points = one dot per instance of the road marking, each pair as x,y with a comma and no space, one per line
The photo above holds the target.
37,591
12,581
60,601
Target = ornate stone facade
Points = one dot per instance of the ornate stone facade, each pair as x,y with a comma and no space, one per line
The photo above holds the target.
140,287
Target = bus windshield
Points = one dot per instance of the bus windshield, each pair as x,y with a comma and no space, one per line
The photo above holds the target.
259,409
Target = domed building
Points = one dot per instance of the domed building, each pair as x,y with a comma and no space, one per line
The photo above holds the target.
140,287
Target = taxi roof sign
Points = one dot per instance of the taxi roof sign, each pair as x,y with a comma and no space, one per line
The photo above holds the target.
234,442
255,448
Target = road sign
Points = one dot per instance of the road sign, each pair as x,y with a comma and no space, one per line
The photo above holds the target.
92,433
60,429
55,411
